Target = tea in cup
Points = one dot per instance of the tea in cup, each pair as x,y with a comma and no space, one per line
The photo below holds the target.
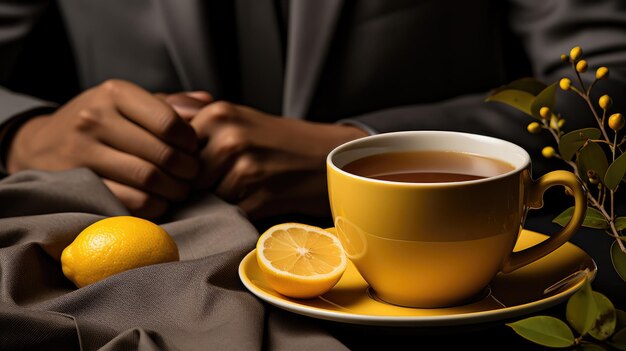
429,218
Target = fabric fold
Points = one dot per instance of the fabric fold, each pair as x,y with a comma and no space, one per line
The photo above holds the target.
198,303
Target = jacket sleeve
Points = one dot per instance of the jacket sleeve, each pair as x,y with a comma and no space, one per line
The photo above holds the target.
547,29
18,18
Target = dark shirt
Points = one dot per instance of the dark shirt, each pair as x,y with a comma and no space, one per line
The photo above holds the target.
252,42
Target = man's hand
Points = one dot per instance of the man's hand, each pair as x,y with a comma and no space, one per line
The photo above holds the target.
188,103
267,165
134,140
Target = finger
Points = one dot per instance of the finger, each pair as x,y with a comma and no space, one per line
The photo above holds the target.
161,96
245,175
230,192
221,138
214,116
138,202
185,105
151,113
123,135
200,95
134,172
218,156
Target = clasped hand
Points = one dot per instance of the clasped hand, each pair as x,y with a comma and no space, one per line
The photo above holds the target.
152,150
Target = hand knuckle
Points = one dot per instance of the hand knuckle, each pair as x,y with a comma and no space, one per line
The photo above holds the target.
231,141
88,119
245,172
112,86
247,167
221,110
166,156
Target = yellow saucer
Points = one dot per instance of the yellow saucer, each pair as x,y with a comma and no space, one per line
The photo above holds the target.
540,285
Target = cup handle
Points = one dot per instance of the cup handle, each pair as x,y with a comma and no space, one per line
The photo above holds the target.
535,200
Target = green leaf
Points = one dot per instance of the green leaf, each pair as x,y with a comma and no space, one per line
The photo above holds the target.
619,340
544,330
518,99
615,173
618,257
592,156
606,318
581,310
593,218
547,97
574,140
620,223
531,85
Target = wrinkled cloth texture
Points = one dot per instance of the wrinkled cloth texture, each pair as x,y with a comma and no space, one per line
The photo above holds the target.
198,303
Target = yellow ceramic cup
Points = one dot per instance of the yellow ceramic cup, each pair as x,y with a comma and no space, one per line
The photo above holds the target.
432,245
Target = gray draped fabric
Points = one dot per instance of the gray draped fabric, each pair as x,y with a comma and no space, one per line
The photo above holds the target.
198,303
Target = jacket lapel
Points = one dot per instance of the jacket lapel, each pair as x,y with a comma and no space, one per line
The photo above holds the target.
311,27
188,41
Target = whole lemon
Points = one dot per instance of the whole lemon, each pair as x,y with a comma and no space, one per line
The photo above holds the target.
113,245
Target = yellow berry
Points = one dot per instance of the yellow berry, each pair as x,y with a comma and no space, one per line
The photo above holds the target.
545,112
564,58
581,66
561,123
576,53
534,128
605,102
602,73
616,121
548,152
565,83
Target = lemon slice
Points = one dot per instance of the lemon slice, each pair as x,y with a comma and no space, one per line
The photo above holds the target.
299,260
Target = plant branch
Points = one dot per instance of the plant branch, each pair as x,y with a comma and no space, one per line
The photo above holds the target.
580,80
610,219
584,94
595,114
554,134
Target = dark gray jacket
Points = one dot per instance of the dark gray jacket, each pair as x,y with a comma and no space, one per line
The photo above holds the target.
390,65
